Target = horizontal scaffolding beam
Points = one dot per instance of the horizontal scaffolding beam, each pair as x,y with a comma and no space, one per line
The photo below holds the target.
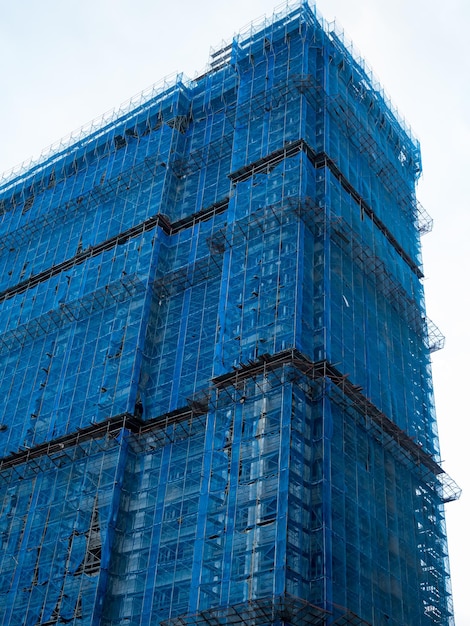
195,408
320,160
95,431
81,257
324,369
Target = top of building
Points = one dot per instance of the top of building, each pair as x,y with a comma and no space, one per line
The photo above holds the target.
288,14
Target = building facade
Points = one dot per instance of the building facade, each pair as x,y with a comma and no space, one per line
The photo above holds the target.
215,358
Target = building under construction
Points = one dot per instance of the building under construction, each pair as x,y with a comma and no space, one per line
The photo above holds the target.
215,358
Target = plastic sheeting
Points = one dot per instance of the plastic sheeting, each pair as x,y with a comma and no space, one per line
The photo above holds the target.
151,274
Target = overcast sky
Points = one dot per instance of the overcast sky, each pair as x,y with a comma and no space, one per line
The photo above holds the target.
65,62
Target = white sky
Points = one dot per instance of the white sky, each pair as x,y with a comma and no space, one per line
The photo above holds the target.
63,63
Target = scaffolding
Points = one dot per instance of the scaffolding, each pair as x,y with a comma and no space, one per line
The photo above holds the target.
215,356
